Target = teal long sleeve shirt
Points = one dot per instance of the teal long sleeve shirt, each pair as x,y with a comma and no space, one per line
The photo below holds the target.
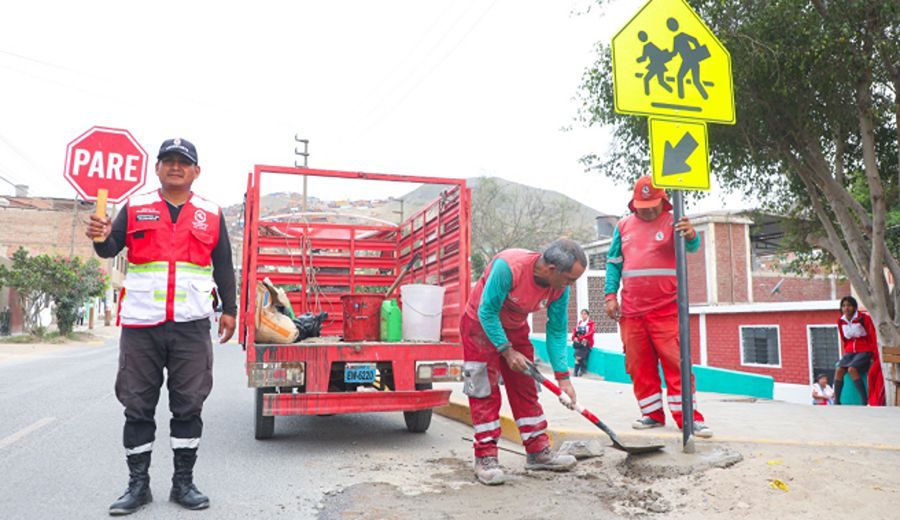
496,289
614,260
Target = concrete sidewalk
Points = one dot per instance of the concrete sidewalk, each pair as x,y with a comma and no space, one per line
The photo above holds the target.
732,419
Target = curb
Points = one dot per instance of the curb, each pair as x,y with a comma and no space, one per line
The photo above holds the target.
509,431
460,413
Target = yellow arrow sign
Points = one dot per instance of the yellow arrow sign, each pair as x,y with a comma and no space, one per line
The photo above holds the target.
667,62
679,154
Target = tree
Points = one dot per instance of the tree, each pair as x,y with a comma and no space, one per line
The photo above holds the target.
506,215
27,277
40,280
70,282
816,84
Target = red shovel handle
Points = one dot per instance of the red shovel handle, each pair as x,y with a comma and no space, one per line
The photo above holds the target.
550,385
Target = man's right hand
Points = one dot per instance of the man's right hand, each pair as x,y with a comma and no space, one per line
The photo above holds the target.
612,309
515,359
99,228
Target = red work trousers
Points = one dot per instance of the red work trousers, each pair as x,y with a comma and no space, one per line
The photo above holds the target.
484,361
651,339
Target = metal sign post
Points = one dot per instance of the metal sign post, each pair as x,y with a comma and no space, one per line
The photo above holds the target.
679,107
684,330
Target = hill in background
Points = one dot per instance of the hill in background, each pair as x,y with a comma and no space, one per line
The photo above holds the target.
506,198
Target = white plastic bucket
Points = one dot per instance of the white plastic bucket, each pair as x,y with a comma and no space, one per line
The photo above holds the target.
423,306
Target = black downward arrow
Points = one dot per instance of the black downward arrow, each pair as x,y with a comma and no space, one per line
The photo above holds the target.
674,159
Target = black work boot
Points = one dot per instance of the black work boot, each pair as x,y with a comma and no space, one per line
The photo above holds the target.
861,388
138,493
184,492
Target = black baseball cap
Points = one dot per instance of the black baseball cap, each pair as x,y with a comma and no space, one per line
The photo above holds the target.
182,147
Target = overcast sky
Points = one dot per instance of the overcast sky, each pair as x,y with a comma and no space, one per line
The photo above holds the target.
440,88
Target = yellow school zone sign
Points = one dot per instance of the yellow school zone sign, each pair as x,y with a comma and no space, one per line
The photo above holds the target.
679,154
667,62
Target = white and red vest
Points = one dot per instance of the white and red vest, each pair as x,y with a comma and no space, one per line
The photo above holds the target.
648,267
858,333
169,264
525,296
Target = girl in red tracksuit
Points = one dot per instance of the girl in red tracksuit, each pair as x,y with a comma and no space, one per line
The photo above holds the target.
583,341
860,347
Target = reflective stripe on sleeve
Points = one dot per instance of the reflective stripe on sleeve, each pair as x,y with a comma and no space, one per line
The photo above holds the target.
648,272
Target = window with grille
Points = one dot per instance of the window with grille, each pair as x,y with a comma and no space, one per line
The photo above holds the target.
825,348
597,261
760,346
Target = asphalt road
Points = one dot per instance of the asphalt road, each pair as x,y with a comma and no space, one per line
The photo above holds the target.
61,454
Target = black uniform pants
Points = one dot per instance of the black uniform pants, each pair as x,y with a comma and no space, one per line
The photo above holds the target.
185,351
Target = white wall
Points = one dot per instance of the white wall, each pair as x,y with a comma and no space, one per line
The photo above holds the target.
798,394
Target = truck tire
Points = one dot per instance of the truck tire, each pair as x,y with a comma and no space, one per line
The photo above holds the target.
418,421
264,425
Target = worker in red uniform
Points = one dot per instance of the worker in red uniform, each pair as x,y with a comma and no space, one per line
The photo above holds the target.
178,255
860,342
494,331
642,257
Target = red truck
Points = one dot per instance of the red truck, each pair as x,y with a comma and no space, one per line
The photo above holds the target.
317,261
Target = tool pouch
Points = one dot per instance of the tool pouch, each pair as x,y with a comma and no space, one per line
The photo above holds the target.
476,383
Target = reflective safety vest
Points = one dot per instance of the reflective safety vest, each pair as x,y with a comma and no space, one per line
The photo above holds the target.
648,264
525,296
169,264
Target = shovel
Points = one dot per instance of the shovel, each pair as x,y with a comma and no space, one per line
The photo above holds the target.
534,373
400,276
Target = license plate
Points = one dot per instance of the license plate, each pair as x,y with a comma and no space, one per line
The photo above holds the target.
359,373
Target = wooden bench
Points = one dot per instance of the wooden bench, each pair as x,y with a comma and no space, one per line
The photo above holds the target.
892,355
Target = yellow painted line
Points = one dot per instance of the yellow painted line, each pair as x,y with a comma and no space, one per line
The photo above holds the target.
460,412
510,432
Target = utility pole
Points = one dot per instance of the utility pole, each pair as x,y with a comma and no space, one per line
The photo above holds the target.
74,226
305,154
400,200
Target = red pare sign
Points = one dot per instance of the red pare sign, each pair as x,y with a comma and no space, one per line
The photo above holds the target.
106,158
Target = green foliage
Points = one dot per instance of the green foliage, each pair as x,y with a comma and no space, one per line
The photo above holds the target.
65,281
816,138
26,276
70,281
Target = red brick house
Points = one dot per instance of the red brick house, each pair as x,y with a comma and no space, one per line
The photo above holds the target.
47,225
746,314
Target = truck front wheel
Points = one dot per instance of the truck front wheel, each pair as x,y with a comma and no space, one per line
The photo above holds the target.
264,425
418,421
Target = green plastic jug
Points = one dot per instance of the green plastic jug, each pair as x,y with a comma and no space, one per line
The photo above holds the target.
391,321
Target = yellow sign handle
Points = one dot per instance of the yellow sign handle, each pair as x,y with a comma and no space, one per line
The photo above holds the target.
100,208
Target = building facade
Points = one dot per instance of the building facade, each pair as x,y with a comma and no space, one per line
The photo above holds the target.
746,312
53,226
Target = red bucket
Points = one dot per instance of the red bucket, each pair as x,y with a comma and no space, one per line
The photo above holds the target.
362,316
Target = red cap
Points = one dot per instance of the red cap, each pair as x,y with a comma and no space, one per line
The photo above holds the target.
646,196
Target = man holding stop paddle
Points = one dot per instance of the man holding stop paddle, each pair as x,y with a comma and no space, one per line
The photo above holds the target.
178,255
